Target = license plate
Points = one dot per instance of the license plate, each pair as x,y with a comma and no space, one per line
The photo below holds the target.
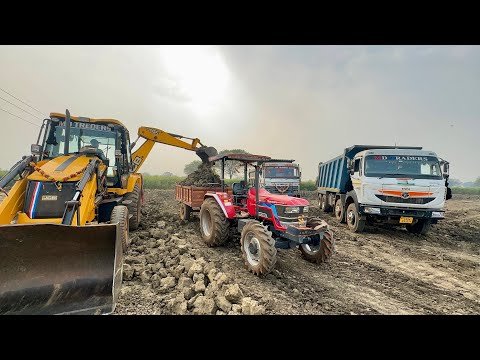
406,220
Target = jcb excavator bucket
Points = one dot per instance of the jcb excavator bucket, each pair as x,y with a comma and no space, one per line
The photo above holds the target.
205,152
59,269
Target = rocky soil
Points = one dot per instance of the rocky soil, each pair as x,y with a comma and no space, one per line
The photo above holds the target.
169,270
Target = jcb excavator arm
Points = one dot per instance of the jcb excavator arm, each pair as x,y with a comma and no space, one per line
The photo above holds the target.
153,136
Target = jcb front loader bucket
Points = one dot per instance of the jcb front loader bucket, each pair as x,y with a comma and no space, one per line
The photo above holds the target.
59,269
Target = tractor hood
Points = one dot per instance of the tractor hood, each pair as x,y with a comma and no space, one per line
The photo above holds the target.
265,196
62,167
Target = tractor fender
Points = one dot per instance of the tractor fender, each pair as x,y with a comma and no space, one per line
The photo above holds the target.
225,202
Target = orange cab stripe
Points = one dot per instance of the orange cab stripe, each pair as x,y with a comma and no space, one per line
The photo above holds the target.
411,193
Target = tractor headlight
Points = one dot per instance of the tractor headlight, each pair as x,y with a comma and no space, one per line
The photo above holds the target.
292,210
372,210
305,209
437,214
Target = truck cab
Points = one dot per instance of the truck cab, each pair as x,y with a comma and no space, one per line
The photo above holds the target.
405,185
279,178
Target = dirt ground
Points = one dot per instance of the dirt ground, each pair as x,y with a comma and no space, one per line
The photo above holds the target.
169,270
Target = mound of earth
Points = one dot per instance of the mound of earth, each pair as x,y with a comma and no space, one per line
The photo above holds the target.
203,176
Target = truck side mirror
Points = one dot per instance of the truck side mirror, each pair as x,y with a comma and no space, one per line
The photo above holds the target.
445,168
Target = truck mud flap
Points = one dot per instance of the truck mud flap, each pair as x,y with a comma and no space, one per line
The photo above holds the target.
48,269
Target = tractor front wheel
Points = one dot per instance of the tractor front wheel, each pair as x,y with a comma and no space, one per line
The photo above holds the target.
322,251
258,248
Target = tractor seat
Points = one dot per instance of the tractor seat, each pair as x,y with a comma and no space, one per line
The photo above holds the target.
239,188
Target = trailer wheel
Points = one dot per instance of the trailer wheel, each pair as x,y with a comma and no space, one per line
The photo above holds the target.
339,211
185,212
421,227
354,222
213,223
258,248
120,215
134,207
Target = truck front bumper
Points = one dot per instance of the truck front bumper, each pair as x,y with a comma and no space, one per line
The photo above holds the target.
397,212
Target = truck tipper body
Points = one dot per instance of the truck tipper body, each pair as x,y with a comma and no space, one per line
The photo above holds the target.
374,184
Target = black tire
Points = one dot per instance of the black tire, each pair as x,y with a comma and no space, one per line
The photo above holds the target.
120,215
421,227
339,211
324,203
213,223
135,207
258,248
321,253
185,211
354,222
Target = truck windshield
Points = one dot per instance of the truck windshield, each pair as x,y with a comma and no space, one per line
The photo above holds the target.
281,172
420,167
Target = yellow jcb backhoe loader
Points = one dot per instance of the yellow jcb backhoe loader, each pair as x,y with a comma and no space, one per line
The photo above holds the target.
64,223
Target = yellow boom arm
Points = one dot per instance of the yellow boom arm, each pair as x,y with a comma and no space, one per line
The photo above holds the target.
153,136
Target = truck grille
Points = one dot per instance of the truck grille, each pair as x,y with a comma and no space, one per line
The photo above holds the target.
291,189
399,200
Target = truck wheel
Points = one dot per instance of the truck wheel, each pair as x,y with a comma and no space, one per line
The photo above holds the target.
213,223
185,212
324,203
258,248
354,222
339,211
421,227
120,215
135,207
321,252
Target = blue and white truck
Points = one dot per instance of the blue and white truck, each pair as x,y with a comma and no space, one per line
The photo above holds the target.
371,184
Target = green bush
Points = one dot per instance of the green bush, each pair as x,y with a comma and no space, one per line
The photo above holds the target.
2,173
469,191
308,186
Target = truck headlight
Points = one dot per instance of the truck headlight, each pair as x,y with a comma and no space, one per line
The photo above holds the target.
372,210
292,210
437,214
305,209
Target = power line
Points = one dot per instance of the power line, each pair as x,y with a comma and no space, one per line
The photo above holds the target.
22,101
21,108
19,117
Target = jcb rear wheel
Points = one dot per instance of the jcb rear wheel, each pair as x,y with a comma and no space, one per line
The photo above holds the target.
258,248
323,251
134,207
120,215
213,223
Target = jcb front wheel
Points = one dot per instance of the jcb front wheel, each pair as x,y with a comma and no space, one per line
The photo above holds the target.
258,248
120,215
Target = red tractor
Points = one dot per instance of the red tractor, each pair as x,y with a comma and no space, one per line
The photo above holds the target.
266,221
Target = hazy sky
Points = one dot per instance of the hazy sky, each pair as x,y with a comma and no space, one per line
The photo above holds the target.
302,102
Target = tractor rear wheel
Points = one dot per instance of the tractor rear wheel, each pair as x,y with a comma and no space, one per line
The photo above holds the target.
185,211
214,225
258,248
120,215
135,207
323,251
